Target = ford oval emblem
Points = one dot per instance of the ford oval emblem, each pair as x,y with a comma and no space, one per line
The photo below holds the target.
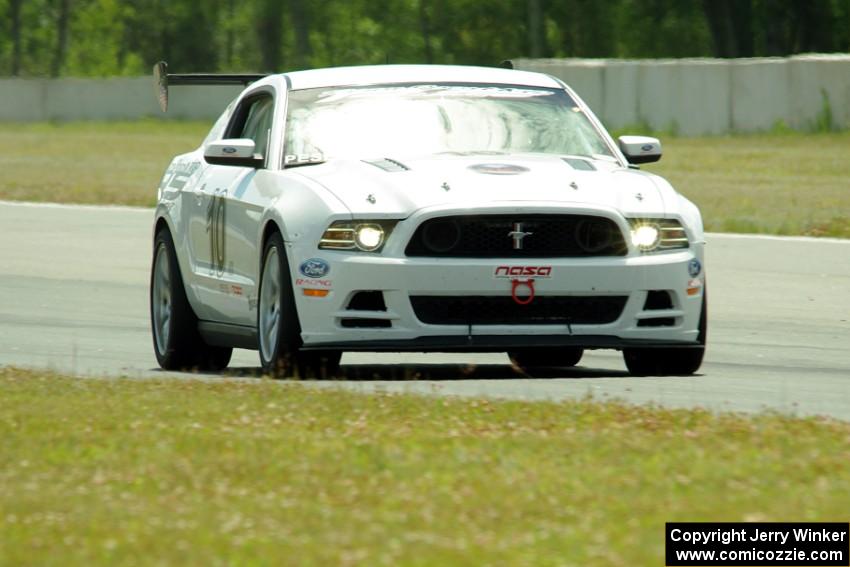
315,268
228,150
647,147
694,267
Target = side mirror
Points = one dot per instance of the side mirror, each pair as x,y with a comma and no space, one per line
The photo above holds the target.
640,149
238,152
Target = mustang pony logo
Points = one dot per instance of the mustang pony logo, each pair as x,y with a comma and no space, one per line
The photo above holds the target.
518,235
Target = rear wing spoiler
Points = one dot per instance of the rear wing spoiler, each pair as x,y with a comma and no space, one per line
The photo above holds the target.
162,79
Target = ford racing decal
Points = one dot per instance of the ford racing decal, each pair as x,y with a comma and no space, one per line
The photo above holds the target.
315,268
313,283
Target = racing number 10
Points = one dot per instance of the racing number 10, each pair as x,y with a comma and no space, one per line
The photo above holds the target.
215,227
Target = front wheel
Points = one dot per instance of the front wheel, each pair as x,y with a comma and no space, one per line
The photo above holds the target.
278,328
670,361
176,341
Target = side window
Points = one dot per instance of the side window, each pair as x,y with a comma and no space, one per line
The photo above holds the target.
219,126
253,119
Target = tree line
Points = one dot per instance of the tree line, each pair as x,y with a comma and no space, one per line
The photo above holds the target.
125,37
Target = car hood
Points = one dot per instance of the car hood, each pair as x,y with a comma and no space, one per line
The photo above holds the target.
396,188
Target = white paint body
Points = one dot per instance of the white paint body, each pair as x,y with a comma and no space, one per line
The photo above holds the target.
302,202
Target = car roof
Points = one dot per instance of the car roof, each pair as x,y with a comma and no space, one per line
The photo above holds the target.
390,74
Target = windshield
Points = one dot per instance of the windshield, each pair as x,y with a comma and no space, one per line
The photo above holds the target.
414,120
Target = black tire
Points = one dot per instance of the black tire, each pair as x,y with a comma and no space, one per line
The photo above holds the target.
529,358
670,361
280,346
174,326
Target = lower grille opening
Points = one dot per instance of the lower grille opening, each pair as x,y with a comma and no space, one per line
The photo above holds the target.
486,310
658,299
367,301
657,322
364,323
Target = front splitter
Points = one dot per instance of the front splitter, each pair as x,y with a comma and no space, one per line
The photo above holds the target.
497,343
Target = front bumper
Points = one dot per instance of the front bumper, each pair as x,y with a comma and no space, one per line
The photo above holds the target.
399,278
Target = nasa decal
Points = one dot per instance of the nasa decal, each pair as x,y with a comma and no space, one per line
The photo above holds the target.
523,277
523,272
314,268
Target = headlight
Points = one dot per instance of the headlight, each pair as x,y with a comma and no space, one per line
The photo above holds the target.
649,235
369,237
645,236
366,236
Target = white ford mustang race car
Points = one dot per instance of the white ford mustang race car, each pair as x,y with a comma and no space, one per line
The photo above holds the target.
420,208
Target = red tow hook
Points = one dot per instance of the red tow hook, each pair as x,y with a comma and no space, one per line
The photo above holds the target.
517,283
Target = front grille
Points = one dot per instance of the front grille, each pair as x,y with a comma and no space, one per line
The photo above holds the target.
498,310
517,236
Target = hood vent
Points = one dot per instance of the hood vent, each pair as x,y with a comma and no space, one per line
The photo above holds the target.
579,164
387,164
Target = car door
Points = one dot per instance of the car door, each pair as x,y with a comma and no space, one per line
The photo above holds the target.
225,224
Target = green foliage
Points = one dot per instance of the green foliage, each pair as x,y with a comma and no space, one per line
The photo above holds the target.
98,31
661,28
824,121
781,127
122,37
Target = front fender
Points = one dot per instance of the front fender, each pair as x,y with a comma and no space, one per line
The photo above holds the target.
301,208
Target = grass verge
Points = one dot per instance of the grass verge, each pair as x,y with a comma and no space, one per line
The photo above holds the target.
252,472
784,183
104,163
777,183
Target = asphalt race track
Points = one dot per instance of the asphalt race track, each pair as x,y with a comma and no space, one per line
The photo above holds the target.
74,294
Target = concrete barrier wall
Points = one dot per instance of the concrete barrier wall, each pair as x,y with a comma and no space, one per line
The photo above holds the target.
28,100
708,96
690,96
